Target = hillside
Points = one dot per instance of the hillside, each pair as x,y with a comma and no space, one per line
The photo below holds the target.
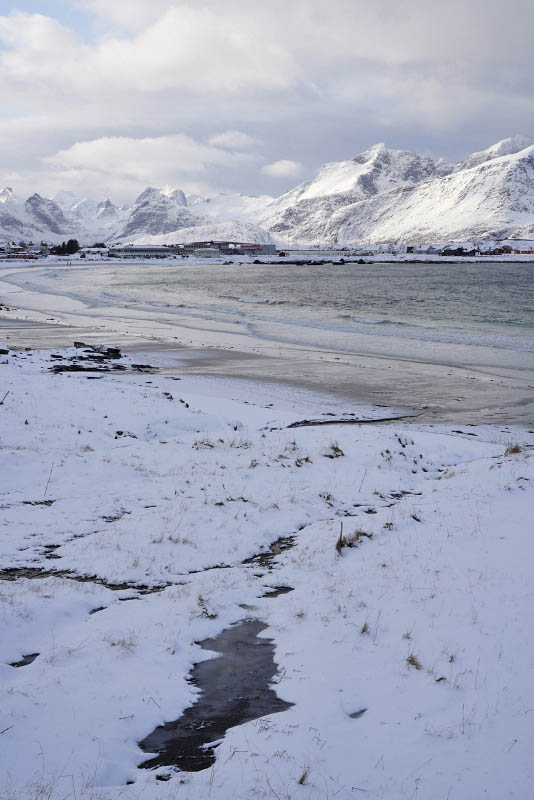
381,195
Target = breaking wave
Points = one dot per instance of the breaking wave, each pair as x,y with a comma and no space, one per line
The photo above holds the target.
267,302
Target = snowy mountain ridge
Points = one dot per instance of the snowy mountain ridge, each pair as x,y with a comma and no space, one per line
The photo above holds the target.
380,195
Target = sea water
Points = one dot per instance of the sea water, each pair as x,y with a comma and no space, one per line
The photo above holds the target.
333,305
401,310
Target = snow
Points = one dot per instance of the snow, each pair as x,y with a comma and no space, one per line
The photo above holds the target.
379,195
506,147
230,230
425,625
374,171
221,207
484,199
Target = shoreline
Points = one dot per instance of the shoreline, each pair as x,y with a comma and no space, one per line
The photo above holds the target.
443,382
267,260
437,392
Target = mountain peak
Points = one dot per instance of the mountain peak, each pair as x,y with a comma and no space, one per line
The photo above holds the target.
509,146
106,209
377,148
506,147
6,195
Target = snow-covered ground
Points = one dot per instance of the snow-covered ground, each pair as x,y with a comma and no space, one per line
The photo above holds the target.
406,649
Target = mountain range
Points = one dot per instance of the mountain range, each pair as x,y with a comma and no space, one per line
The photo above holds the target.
380,195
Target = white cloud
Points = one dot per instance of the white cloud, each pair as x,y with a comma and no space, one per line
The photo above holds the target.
128,164
283,169
187,49
234,140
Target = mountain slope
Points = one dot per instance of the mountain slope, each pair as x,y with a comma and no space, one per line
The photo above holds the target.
492,200
227,230
494,197
506,147
157,212
381,195
301,214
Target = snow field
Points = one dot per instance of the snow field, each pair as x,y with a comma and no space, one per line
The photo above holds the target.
418,627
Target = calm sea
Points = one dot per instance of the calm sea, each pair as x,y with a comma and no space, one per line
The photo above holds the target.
333,306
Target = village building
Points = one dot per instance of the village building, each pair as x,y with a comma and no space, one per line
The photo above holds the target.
140,251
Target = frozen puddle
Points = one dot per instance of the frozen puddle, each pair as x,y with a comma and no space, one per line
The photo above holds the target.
235,690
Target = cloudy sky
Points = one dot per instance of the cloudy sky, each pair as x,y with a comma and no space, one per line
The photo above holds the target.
104,97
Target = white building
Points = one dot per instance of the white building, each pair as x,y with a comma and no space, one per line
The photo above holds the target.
140,251
206,252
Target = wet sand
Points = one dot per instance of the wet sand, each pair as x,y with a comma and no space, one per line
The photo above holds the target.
437,392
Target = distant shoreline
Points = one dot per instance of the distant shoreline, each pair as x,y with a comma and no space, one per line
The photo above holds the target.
73,262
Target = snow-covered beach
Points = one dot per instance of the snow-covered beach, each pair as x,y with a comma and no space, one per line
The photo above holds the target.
451,343
149,508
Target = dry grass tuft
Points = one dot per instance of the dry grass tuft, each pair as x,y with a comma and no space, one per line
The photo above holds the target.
413,661
513,449
334,451
303,780
352,540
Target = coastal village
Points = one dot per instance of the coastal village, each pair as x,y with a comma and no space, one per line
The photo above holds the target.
211,249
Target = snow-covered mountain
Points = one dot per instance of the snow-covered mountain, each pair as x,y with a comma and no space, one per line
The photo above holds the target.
225,231
158,216
34,218
221,207
388,195
11,224
381,195
158,212
493,200
506,147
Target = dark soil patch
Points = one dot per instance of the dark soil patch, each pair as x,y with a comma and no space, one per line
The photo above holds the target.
57,369
402,493
266,559
95,358
15,573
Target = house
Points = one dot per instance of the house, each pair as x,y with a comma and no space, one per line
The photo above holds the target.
140,251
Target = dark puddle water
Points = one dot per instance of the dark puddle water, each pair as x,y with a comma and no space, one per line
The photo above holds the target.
235,690
25,660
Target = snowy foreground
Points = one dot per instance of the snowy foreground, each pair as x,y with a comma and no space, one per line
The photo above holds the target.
407,650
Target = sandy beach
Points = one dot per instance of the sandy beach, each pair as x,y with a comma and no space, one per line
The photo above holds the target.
492,393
